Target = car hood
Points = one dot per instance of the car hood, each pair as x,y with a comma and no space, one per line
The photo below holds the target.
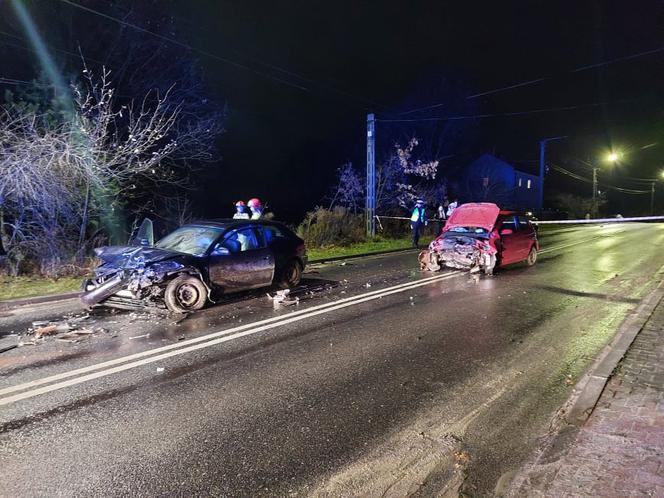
474,214
133,257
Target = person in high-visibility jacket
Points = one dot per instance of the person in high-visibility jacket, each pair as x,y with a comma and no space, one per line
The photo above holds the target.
417,220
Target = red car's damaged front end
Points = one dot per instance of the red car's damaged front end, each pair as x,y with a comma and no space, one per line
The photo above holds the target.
480,237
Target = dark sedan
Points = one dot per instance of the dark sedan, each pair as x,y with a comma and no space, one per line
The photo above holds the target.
195,264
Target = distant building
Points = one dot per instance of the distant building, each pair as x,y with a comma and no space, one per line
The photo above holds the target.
489,179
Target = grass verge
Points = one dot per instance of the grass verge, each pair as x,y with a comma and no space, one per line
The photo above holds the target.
375,246
19,287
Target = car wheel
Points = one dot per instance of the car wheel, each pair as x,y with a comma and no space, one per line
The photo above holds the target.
290,275
532,256
185,293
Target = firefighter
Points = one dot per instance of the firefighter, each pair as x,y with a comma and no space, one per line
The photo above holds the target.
417,219
241,211
256,208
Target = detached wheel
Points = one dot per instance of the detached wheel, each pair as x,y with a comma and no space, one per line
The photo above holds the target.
290,275
185,293
532,256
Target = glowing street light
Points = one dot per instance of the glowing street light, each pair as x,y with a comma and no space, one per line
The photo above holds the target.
613,157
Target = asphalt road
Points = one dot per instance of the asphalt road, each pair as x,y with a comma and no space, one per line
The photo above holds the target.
382,381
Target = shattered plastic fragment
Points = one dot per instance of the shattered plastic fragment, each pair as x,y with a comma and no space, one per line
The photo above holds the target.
44,331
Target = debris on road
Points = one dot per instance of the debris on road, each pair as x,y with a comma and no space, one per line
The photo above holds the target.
47,330
8,348
283,298
140,336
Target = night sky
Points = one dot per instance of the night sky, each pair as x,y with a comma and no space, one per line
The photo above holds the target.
336,61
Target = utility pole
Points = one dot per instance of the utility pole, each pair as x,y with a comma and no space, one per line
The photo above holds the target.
594,205
371,176
543,168
652,198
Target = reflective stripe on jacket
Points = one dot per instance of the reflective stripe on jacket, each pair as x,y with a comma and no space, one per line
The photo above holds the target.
418,215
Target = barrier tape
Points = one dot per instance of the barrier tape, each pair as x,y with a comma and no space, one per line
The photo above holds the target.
598,220
560,222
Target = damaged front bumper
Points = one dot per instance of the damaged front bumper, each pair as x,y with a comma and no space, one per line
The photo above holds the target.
460,252
129,288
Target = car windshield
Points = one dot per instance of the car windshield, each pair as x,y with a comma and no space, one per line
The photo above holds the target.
468,230
190,240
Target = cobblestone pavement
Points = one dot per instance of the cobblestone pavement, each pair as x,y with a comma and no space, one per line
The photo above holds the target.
619,452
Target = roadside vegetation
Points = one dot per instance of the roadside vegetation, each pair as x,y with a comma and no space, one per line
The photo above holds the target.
24,286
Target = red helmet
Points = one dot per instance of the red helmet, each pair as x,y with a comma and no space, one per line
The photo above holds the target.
254,203
240,203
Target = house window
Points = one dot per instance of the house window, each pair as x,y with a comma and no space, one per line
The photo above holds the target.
528,184
485,181
520,181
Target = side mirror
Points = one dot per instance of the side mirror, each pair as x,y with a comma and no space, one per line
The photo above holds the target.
220,251
506,231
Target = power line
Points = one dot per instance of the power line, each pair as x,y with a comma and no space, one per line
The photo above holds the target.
621,177
28,49
603,185
220,58
506,114
546,78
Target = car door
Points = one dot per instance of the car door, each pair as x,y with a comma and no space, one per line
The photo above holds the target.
510,241
241,261
528,235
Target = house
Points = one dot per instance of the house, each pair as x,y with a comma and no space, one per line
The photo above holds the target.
489,179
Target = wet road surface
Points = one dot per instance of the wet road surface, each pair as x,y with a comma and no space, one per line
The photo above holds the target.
379,382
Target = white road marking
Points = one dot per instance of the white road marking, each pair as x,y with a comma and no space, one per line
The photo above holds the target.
208,340
145,357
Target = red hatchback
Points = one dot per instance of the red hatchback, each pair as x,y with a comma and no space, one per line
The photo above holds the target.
479,236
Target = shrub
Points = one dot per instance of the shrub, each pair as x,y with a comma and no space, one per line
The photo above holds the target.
336,227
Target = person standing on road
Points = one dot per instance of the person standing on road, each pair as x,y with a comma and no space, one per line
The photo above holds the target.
453,205
417,219
441,216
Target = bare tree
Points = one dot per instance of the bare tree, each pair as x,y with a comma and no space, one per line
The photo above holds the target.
55,177
348,191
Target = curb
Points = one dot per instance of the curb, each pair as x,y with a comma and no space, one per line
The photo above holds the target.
17,303
591,385
574,413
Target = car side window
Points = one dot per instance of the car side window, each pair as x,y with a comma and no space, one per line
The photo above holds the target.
523,223
271,233
509,222
241,240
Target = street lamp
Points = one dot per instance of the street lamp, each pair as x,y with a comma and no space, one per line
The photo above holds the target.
612,157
